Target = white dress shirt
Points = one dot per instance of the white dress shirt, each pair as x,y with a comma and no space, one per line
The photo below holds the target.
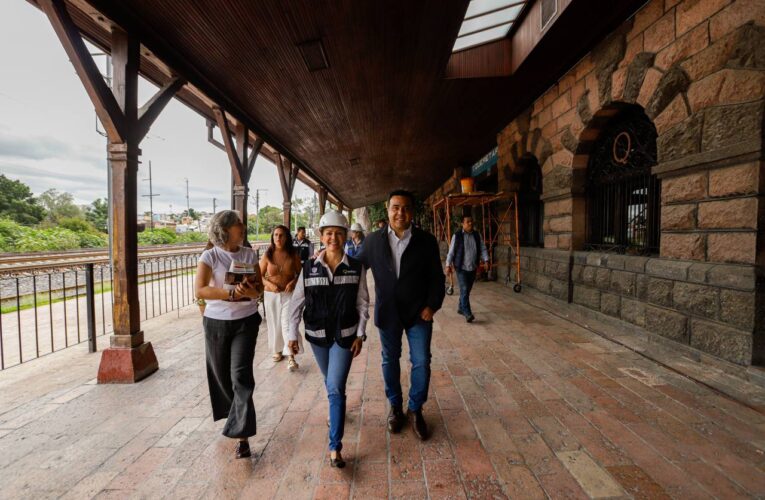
297,302
397,246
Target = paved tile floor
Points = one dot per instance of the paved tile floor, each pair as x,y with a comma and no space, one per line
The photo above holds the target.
523,405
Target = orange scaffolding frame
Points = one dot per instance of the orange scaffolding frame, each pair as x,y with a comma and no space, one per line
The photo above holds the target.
443,231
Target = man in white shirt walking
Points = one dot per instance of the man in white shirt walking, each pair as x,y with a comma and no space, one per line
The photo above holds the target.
466,252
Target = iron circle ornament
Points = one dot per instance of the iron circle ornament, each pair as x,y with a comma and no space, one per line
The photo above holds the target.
621,147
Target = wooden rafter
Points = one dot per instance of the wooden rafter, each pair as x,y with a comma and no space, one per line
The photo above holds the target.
154,106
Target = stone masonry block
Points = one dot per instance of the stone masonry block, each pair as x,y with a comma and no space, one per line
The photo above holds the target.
603,278
635,264
623,283
633,311
724,342
681,140
697,273
738,180
670,269
732,247
678,216
682,246
692,13
731,276
728,125
684,188
697,299
660,291
641,286
666,323
587,297
610,304
588,275
737,308
729,214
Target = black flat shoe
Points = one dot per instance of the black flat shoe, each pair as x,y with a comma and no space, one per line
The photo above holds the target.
470,318
243,450
338,462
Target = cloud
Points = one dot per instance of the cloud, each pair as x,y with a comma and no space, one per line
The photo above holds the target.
44,148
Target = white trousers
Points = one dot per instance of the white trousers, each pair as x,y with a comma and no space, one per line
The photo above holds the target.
277,318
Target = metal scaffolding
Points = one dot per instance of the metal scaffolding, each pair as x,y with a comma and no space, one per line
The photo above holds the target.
492,224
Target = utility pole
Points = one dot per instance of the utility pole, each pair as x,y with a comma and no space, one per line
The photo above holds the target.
151,196
214,205
188,206
257,211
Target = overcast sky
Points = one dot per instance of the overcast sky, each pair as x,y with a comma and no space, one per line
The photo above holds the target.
48,136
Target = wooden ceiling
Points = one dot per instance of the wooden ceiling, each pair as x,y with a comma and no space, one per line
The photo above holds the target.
382,115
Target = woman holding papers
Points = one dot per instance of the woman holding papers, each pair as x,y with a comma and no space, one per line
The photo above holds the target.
228,280
280,266
332,299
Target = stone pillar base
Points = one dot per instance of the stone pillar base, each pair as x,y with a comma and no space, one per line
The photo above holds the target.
127,365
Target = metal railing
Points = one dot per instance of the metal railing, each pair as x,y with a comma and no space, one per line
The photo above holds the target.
46,310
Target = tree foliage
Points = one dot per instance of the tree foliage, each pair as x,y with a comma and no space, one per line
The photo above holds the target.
18,204
97,213
59,206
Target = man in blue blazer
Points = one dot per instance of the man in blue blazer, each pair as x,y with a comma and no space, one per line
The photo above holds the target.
409,289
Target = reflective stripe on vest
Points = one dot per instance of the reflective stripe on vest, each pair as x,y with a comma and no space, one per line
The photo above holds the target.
317,282
346,280
347,332
317,333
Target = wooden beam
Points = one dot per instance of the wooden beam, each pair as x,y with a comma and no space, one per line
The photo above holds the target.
233,158
256,147
211,139
149,112
107,108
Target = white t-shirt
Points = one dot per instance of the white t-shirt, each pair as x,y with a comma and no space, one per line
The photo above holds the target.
219,261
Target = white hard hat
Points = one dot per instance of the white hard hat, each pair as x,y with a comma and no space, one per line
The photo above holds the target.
333,218
357,227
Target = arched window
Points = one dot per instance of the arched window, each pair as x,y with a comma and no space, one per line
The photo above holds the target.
530,208
622,195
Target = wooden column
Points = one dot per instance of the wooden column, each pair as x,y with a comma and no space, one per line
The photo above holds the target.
287,177
241,156
349,214
322,200
129,358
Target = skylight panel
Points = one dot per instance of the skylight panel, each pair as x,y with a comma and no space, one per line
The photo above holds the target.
479,7
481,37
491,20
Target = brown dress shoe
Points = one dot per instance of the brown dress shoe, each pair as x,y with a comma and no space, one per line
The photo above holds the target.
419,426
243,449
395,419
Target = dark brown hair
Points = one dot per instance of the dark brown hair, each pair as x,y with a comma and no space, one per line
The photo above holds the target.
288,246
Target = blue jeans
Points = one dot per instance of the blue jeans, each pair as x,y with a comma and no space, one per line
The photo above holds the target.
418,336
335,364
465,280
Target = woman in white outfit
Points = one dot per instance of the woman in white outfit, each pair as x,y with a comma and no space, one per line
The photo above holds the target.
280,267
231,322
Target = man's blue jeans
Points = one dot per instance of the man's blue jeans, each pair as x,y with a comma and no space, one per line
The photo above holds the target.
418,336
465,280
335,364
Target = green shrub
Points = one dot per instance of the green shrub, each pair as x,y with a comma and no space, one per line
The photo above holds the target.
191,237
93,240
10,232
162,236
47,240
77,225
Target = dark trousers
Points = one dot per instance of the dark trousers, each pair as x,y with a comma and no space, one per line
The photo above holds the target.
230,350
465,280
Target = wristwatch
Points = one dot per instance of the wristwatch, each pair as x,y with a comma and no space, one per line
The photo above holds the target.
364,338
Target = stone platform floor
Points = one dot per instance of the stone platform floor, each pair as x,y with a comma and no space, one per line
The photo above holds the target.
523,404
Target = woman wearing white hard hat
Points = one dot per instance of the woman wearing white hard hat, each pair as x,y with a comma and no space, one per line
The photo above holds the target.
354,243
331,297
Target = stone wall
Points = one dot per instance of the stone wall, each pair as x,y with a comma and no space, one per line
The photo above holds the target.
696,68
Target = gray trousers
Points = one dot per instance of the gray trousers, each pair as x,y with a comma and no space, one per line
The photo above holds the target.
230,350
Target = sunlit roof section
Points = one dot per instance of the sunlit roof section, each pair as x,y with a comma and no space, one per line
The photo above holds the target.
486,21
